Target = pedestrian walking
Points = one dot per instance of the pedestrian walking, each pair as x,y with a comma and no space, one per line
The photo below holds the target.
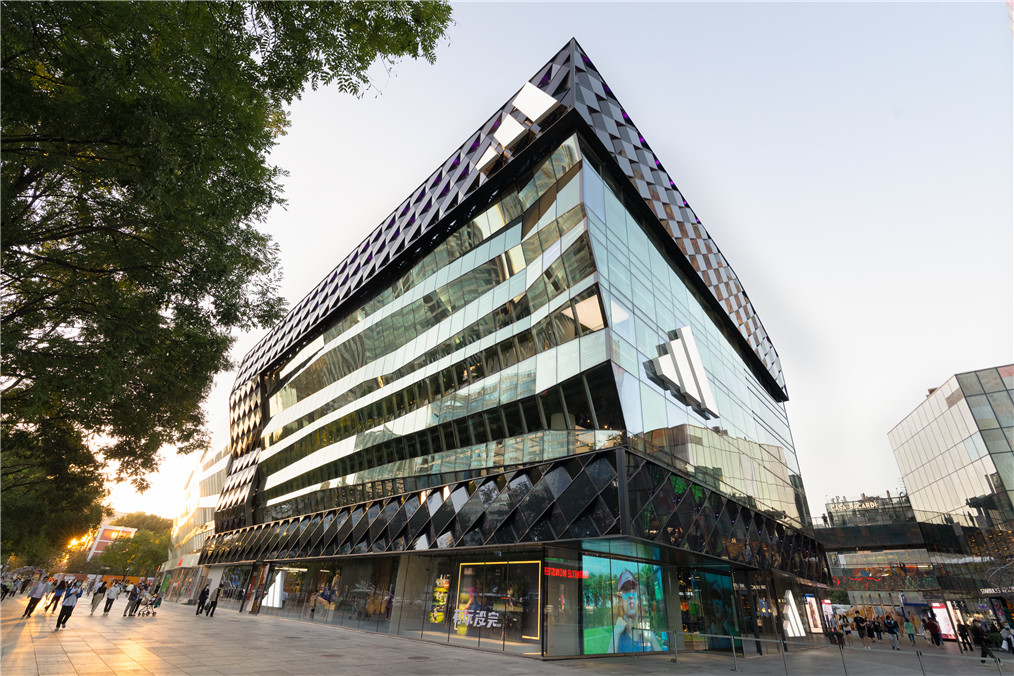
861,629
111,595
934,631
97,596
963,641
891,629
209,610
38,591
1008,638
54,601
910,631
69,603
878,630
133,599
979,639
202,599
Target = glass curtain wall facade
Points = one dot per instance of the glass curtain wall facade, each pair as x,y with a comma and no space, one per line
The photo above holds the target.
956,459
181,574
954,449
484,445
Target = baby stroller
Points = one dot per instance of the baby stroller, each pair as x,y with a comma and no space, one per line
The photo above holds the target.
149,605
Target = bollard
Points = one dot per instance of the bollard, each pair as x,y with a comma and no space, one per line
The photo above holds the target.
675,653
999,665
785,664
844,667
918,653
735,662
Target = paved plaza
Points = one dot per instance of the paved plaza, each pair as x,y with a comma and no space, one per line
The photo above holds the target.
178,642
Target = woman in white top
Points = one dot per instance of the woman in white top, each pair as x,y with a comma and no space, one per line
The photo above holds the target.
111,594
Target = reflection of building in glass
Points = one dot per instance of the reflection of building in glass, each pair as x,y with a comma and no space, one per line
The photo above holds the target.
183,578
536,393
887,555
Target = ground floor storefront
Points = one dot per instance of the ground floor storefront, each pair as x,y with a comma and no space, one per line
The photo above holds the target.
598,597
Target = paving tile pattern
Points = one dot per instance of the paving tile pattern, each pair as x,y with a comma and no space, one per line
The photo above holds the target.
178,642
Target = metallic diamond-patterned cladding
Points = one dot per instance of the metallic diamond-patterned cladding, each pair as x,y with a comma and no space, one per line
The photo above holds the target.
569,499
571,79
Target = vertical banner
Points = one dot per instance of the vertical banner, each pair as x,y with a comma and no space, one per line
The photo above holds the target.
813,614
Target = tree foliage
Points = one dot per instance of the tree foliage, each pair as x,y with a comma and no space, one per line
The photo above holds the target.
77,562
135,141
144,521
140,555
49,498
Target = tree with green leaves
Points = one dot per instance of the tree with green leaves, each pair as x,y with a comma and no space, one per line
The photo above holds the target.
839,596
140,555
144,521
134,171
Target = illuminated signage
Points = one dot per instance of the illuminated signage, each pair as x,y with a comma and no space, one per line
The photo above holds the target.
813,614
943,618
847,506
477,618
565,572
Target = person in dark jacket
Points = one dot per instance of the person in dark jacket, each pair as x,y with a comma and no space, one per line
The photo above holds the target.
133,600
891,627
202,599
963,641
54,601
979,639
878,630
209,609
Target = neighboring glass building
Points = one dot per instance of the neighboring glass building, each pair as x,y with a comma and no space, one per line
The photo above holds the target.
893,559
182,576
534,411
954,449
956,459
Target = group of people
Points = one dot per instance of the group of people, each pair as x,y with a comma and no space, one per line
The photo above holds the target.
875,629
980,631
64,595
9,586
207,600
869,630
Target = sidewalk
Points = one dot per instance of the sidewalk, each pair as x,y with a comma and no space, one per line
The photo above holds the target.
178,642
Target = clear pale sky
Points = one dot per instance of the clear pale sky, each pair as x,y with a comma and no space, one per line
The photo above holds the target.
852,161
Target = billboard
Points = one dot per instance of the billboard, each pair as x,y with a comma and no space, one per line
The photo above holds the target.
623,607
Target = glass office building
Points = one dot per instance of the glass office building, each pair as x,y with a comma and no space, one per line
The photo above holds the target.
534,411
956,459
954,449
